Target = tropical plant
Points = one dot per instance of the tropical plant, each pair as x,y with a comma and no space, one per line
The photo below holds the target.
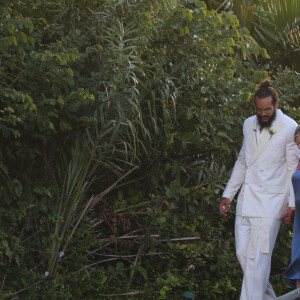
274,24
119,124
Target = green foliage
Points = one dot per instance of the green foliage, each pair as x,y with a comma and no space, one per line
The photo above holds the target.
280,260
274,24
119,122
287,84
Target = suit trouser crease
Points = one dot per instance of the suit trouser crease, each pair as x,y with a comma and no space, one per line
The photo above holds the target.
255,239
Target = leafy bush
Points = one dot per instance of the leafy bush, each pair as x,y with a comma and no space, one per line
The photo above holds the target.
120,121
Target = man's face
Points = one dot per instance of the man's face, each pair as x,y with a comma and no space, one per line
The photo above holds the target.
265,111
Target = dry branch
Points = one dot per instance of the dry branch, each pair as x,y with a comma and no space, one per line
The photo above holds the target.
124,294
156,236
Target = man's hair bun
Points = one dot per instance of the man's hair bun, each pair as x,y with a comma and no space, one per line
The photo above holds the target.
265,90
265,84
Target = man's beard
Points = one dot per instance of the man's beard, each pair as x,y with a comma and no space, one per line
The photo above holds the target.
267,123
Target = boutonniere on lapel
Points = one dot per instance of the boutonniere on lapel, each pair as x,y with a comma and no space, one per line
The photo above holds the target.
272,132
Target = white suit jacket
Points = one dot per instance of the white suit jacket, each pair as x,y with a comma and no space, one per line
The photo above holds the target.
264,169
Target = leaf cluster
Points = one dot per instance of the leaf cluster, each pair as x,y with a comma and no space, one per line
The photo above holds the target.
119,123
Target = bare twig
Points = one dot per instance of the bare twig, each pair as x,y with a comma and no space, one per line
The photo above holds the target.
128,256
97,263
97,223
105,192
124,257
17,292
21,73
138,256
124,294
109,242
181,239
154,236
154,253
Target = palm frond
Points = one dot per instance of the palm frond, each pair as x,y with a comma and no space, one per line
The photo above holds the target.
275,24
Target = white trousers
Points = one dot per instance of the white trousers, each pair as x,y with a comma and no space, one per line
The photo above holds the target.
255,239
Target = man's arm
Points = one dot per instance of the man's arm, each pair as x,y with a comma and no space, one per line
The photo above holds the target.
292,161
237,176
234,183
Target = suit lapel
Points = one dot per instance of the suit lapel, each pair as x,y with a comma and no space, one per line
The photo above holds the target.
251,136
267,137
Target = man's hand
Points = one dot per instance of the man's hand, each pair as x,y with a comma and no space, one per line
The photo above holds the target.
288,215
225,206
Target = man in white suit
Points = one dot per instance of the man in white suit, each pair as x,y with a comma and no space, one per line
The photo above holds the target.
263,170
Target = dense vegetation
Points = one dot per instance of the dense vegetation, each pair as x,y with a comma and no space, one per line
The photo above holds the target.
120,122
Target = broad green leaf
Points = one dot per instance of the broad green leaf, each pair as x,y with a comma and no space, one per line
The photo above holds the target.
162,220
23,37
11,28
